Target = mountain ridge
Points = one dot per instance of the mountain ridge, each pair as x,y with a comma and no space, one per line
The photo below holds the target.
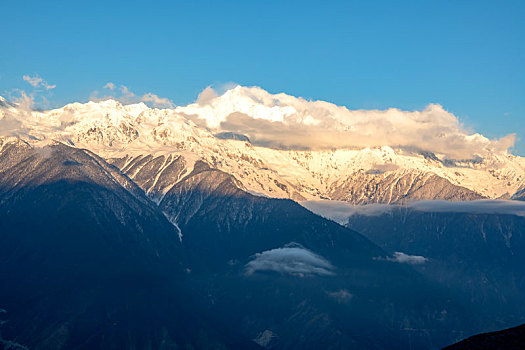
382,174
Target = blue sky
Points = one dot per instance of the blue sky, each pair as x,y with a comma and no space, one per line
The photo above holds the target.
468,56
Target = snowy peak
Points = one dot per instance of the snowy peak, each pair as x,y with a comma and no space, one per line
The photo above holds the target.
283,146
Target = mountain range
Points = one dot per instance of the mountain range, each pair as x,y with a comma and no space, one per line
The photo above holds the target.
124,226
144,140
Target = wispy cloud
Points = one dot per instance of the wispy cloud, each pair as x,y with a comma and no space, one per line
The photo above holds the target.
292,259
24,102
156,101
123,94
110,86
38,82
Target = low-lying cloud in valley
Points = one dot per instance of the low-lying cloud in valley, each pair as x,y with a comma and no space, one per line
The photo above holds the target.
473,207
340,211
402,258
292,259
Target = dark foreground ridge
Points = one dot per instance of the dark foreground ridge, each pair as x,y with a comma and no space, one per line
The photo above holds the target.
507,339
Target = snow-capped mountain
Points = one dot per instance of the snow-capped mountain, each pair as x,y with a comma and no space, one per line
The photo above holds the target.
299,149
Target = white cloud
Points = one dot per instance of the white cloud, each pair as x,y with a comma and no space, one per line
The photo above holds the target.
123,94
23,101
292,259
37,82
284,121
34,82
403,258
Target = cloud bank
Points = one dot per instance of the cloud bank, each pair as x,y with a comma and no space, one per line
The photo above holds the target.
507,207
292,259
283,121
340,211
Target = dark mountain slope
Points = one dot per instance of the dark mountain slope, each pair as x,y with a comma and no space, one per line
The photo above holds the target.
90,262
87,261
228,223
261,264
481,256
